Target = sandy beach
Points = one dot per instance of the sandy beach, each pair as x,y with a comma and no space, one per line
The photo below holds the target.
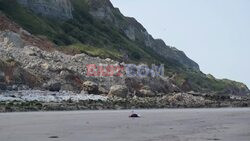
154,125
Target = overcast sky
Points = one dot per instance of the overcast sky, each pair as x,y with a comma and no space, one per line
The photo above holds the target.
214,33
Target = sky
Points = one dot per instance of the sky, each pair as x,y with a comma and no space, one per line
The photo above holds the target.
213,33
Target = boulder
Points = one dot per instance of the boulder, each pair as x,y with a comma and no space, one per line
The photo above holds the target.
12,38
145,92
30,52
53,86
90,87
119,91
102,90
67,87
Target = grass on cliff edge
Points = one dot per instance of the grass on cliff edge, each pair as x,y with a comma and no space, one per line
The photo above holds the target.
90,50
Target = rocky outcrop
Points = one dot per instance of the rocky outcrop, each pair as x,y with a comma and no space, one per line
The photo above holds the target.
61,9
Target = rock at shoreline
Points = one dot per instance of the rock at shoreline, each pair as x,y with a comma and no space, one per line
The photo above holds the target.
119,91
182,99
90,87
53,86
146,92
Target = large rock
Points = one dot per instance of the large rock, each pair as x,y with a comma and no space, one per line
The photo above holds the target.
67,87
119,91
31,51
90,87
53,86
12,39
146,92
102,90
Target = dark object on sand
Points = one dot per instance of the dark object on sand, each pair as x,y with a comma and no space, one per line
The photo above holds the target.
134,115
53,137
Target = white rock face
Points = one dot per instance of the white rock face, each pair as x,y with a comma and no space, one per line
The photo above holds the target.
52,8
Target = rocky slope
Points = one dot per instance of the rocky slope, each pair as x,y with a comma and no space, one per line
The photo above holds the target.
25,65
37,51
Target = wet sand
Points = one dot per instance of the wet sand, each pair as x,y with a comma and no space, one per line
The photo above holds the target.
154,125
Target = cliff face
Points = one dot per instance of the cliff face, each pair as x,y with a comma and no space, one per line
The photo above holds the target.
99,30
104,10
52,8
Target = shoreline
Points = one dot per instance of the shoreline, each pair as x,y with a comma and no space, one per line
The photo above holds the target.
91,105
35,100
225,124
130,110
